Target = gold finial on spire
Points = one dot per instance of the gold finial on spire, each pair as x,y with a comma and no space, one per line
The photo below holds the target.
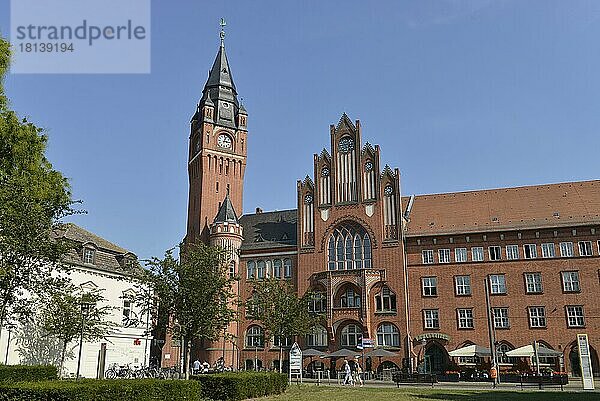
222,34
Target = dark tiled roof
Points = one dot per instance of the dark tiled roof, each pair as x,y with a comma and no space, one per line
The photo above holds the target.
539,206
226,212
270,229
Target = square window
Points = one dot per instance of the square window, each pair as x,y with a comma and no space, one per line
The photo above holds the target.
548,250
537,316
585,248
501,318
575,316
462,285
477,254
460,255
429,286
512,252
431,318
427,257
465,318
570,281
566,249
530,251
533,283
495,252
444,255
497,284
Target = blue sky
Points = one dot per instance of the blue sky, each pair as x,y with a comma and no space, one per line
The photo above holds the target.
459,95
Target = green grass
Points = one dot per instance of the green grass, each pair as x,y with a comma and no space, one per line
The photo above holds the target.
309,392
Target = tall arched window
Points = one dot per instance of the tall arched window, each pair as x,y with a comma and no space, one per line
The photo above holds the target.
388,335
317,337
317,302
351,336
350,298
385,300
255,337
287,268
349,248
260,269
503,348
251,270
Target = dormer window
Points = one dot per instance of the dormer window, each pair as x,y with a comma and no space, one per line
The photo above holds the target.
89,256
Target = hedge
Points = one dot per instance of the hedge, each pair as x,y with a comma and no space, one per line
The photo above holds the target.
23,373
241,385
103,390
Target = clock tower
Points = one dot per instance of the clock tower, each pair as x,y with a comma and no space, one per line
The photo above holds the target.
217,149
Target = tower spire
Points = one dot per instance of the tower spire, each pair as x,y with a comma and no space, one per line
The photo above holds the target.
222,34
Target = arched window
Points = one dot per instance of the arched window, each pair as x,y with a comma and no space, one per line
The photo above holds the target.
385,300
317,337
317,302
277,268
255,337
231,269
287,268
349,248
260,269
251,269
253,308
351,336
503,348
350,298
388,335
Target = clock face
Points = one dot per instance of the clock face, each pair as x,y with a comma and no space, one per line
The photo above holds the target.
224,141
388,190
346,145
308,199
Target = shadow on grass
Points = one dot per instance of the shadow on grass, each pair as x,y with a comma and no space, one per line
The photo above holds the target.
507,396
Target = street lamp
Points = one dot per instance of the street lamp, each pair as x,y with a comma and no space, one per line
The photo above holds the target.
10,326
86,307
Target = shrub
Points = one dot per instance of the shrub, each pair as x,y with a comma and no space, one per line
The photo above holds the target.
102,390
242,385
23,373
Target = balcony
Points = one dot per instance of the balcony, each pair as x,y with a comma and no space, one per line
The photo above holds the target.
345,313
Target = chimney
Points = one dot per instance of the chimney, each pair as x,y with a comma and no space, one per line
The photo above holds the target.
258,210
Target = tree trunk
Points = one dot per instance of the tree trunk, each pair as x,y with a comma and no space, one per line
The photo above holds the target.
280,355
62,359
188,347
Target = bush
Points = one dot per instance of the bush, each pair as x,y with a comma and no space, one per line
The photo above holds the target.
23,373
242,385
102,390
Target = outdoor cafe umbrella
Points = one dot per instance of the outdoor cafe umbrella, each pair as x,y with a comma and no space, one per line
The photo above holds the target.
342,353
470,351
312,352
380,353
528,351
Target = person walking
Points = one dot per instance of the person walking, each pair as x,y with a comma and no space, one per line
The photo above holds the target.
359,372
348,371
196,367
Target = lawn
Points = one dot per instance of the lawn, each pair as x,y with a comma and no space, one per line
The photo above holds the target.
330,393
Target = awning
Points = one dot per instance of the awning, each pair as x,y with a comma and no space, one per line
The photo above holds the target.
527,351
312,352
470,351
380,353
343,353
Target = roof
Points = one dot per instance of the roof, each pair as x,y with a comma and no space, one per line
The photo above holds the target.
220,74
108,256
528,207
269,229
226,213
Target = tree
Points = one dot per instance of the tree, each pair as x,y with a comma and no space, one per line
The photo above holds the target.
37,347
71,312
33,199
282,313
195,294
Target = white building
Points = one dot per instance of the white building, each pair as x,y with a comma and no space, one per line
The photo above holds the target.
95,264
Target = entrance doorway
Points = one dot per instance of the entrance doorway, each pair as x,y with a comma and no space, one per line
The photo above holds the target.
435,359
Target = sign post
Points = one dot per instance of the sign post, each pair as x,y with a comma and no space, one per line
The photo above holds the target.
296,362
585,360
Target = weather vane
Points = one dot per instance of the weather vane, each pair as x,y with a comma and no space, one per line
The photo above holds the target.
222,34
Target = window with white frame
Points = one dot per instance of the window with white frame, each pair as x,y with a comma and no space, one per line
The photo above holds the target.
566,249
250,269
385,300
501,318
462,285
282,341
444,255
126,308
351,336
533,282
512,252
317,302
477,254
465,318
317,337
537,316
431,318
277,268
460,255
575,316
260,269
350,298
255,337
429,285
570,281
503,348
349,248
388,335
495,252
89,255
427,256
529,251
287,268
497,284
548,250
231,269
585,248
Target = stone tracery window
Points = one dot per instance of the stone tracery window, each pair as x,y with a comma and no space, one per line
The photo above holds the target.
349,248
